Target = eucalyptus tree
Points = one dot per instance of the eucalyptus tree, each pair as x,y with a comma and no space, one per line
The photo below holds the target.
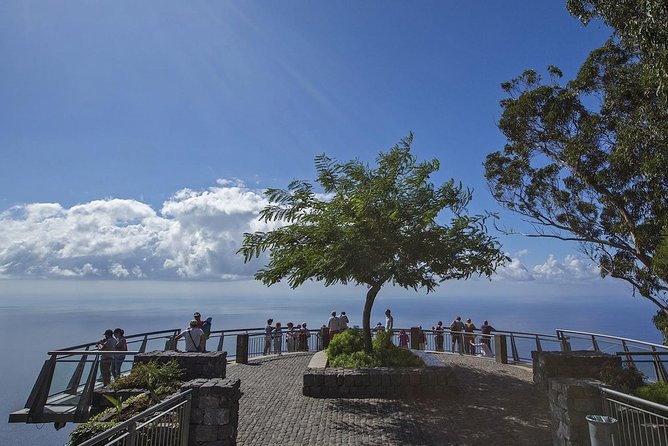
373,226
587,160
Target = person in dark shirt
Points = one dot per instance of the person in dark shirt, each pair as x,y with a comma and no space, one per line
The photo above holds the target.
486,330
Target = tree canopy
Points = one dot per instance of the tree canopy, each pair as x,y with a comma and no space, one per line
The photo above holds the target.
372,226
588,160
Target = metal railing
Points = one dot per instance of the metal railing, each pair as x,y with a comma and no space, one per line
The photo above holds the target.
165,424
63,390
649,358
640,422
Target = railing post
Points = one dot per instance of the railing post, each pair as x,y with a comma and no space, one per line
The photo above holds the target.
242,349
169,344
40,391
324,337
73,385
83,407
594,344
220,342
142,348
513,348
131,439
538,346
415,338
659,368
501,349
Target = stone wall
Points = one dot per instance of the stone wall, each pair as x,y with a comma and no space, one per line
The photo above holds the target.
576,364
571,399
214,412
377,382
196,365
380,382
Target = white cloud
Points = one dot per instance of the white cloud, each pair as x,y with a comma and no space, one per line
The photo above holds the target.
194,235
572,268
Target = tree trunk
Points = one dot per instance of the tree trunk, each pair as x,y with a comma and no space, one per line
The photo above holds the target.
366,318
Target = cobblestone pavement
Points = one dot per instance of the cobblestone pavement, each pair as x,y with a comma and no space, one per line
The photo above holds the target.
497,405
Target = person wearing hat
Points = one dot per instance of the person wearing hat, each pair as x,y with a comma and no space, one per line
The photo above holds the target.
106,360
193,336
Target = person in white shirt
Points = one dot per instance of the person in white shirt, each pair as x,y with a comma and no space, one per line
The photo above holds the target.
193,337
333,325
389,321
343,321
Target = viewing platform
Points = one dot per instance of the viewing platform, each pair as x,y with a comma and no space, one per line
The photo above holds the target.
495,399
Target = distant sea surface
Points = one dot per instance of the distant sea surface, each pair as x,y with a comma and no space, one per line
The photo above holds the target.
38,316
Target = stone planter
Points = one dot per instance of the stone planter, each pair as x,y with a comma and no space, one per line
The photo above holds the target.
383,382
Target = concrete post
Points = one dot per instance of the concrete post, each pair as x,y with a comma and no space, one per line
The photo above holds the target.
415,338
501,349
324,337
242,349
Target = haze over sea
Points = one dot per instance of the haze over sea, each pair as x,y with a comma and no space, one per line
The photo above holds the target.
37,316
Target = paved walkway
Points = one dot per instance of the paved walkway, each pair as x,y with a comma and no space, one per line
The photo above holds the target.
497,404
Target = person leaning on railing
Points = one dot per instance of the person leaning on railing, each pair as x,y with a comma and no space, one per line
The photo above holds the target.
193,337
439,336
486,331
107,360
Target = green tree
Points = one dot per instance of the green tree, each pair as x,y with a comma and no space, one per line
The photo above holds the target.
373,226
639,25
587,161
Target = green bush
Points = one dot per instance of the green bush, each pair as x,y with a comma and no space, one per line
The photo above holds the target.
158,378
625,378
345,343
355,360
151,375
657,392
86,431
347,350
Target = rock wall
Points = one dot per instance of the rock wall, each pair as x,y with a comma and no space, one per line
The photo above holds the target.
571,399
576,364
377,382
214,412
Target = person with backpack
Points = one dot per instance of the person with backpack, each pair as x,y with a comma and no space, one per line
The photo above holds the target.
193,336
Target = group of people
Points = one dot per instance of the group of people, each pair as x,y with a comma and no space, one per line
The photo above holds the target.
110,364
337,324
296,337
463,336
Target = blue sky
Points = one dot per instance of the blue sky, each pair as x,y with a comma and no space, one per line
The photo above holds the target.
136,137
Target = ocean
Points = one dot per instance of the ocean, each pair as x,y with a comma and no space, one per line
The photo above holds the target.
38,316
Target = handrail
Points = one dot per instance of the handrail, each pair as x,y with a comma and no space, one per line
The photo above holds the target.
93,352
635,399
129,338
178,398
618,338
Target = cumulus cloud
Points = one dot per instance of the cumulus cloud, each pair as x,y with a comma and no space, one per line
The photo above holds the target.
194,235
572,268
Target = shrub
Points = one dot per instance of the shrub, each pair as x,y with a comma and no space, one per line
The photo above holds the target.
158,378
347,342
657,392
86,431
151,375
625,378
354,360
347,350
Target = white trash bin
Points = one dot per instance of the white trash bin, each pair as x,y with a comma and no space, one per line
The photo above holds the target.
602,430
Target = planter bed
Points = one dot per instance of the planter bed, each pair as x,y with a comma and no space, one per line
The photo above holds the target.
382,382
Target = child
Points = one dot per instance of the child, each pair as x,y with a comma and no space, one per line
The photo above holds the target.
403,339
